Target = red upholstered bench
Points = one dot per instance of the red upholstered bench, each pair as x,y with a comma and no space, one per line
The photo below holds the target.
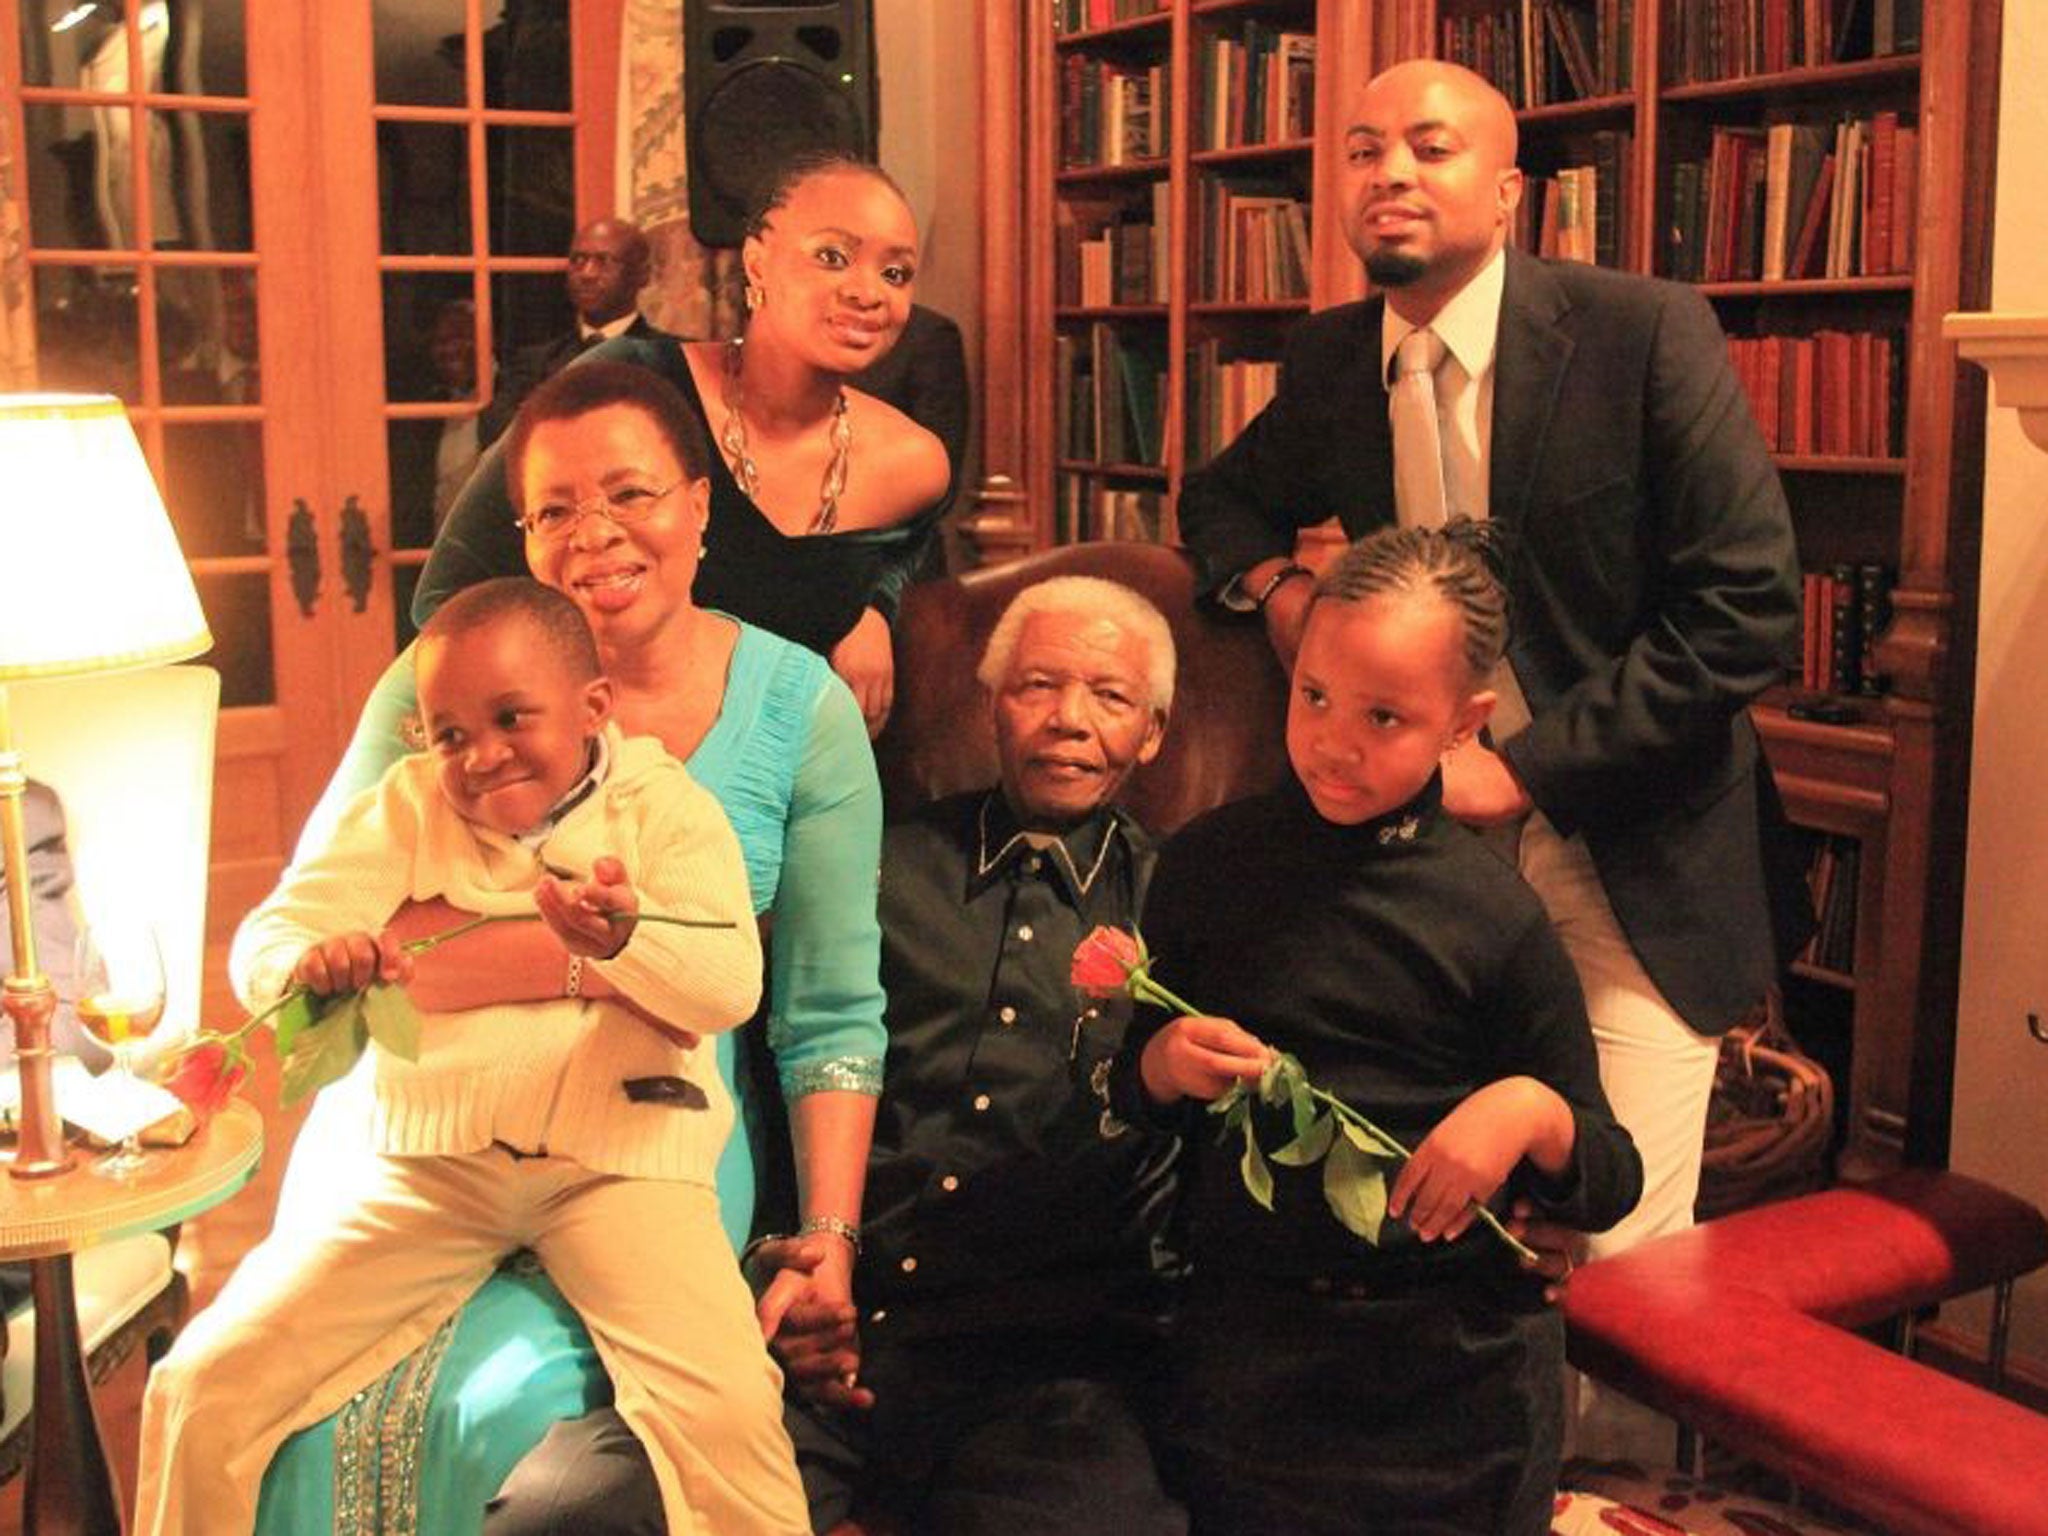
1738,1330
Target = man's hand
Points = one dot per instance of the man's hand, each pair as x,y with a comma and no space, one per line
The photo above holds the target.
1481,790
348,962
807,1315
1559,1249
866,658
1286,611
1199,1057
581,912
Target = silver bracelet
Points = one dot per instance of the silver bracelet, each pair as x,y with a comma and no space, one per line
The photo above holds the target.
838,1226
572,986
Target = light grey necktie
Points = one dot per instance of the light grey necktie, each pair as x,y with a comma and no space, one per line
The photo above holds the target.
1419,497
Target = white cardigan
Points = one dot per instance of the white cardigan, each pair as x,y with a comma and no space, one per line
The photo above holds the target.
542,1076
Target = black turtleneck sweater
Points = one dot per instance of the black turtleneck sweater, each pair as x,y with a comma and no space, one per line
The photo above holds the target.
1406,966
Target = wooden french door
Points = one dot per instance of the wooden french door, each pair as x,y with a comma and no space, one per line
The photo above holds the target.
291,235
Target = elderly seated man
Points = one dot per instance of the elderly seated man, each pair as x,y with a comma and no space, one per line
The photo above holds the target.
1016,1267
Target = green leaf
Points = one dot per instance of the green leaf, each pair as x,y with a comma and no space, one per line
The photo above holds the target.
1258,1178
393,1021
1227,1100
299,1011
1355,1188
324,1052
1370,1139
1309,1145
1274,1085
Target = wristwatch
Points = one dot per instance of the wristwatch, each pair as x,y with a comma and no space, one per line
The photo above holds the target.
1233,596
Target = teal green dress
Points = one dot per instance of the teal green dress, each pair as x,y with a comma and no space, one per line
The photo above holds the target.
422,1449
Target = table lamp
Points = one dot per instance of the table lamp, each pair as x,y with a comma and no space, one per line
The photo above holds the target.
93,582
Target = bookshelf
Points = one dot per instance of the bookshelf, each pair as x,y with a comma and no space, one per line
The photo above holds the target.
1159,241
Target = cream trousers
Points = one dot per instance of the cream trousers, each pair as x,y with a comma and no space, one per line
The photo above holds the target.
308,1319
1659,1076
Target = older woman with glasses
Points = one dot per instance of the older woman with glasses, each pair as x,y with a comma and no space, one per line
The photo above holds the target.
600,463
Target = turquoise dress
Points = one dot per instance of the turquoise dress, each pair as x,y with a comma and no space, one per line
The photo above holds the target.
422,1449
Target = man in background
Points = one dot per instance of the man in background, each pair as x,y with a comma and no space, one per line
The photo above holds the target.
608,266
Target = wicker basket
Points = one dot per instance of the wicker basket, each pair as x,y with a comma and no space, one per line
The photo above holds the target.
1769,1122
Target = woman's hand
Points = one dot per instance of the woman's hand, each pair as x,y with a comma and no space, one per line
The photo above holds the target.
866,659
1466,1158
349,962
807,1315
581,913
1199,1057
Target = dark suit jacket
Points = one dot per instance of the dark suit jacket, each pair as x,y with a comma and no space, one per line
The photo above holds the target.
1652,572
527,366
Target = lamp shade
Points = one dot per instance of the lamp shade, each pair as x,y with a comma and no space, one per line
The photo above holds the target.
91,577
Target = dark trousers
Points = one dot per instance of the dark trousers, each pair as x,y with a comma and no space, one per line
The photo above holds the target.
1433,1414
1020,1435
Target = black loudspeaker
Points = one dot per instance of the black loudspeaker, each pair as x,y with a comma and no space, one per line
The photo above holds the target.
764,80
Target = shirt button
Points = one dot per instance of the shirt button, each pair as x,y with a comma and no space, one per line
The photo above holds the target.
1024,933
1007,1014
878,1314
980,1103
949,1183
909,1263
1032,863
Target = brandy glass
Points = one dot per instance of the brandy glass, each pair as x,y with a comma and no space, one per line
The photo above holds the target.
120,981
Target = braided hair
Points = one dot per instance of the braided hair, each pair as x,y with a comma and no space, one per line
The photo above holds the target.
1455,563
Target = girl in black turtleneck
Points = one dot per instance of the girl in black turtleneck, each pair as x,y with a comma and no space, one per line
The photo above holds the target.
1321,1384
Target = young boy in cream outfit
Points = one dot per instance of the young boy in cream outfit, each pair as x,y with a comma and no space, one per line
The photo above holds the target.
585,1128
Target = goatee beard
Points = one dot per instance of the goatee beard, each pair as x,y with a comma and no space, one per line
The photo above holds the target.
1394,269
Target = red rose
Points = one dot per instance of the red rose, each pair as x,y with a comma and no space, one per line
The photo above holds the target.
207,1076
1104,960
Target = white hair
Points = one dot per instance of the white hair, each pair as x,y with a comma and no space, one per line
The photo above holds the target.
1088,597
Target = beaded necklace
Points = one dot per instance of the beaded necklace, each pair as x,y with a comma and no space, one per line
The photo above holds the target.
733,439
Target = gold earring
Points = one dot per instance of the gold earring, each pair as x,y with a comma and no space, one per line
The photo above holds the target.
755,297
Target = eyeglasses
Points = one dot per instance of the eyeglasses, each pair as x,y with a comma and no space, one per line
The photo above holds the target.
624,505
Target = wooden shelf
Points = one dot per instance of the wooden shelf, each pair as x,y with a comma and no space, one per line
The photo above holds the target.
1861,75
1253,154
1112,471
1591,109
1242,309
1809,287
1068,312
1137,27
1128,170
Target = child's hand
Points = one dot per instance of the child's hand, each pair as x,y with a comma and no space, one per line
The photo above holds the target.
1199,1057
1469,1154
349,962
580,911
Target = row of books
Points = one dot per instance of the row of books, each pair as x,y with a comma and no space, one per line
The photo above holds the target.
1831,882
1111,114
1259,88
1727,39
1254,246
1223,397
1846,609
1086,508
1834,392
1124,262
1580,212
1081,15
1539,52
1797,200
1111,391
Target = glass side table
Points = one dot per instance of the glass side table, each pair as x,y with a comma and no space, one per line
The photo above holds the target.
70,1489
